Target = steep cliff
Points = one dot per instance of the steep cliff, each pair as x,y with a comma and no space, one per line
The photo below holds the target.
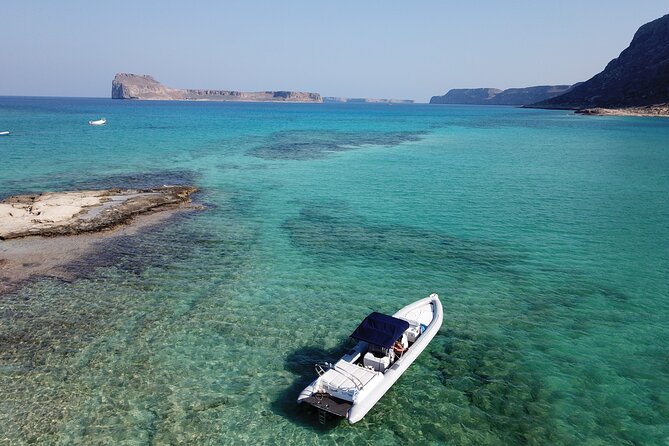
134,86
638,77
494,96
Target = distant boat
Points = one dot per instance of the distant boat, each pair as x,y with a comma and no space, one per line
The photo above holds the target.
4,133
101,121
388,345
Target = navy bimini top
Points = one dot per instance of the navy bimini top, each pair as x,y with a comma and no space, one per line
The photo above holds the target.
380,329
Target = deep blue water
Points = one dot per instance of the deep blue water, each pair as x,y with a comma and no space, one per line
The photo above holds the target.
546,235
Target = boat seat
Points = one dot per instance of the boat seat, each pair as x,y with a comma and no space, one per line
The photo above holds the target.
345,380
380,364
377,350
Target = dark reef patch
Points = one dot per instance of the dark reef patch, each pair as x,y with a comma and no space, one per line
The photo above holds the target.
241,167
177,240
140,180
310,144
335,234
148,248
134,180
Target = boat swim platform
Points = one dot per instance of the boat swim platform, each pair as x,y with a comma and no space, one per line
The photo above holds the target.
328,404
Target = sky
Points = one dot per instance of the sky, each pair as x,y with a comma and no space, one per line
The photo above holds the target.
353,48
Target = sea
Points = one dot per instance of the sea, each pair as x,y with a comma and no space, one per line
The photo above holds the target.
545,234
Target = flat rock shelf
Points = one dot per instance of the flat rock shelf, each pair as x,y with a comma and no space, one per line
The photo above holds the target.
70,213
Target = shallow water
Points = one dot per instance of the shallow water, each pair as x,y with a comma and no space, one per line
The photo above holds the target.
546,234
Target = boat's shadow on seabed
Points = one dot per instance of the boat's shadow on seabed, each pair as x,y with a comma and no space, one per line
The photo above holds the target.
301,363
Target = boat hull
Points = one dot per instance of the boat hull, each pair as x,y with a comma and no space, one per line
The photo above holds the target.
429,313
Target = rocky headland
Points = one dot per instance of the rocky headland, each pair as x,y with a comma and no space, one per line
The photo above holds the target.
145,87
495,96
635,83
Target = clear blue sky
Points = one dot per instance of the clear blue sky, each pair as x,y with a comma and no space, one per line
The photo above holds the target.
400,49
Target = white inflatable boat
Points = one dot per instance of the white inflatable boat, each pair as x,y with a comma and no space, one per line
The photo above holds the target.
101,121
388,345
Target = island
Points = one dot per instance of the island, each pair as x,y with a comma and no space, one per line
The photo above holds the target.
145,87
636,83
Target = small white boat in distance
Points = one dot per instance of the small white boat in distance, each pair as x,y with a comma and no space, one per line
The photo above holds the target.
101,121
4,133
387,346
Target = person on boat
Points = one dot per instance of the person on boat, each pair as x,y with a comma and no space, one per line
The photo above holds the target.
398,348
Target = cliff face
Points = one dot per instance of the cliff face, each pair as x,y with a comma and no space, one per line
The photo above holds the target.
638,77
494,96
134,86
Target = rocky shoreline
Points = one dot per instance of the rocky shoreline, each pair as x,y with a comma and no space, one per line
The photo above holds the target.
69,213
661,110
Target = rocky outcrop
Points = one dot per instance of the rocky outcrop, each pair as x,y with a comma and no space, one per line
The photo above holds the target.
367,100
638,77
646,110
135,86
70,213
494,96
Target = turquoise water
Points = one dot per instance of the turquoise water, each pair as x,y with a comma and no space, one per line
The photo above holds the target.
546,235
